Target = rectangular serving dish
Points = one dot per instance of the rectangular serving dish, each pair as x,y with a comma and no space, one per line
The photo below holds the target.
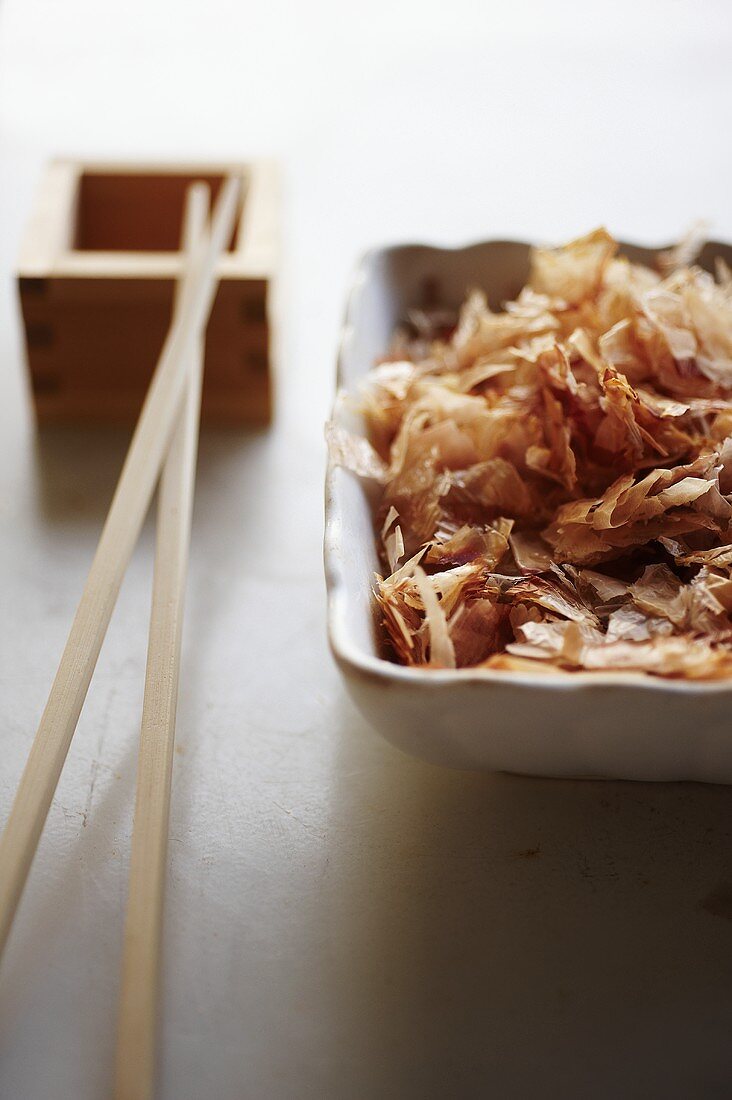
615,725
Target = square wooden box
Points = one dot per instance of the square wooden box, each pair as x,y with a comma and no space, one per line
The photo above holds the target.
96,276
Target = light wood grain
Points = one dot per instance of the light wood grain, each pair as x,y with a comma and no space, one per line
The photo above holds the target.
121,530
97,269
50,229
139,992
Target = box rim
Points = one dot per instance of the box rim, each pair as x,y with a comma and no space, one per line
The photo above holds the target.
255,256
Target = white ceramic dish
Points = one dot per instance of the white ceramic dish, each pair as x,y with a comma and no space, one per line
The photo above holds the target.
618,725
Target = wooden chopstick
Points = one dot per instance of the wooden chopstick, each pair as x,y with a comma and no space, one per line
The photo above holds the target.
121,530
139,993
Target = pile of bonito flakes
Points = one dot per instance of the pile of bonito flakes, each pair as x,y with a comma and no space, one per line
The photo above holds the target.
555,479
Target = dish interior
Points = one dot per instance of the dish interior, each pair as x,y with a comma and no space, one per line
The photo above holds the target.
388,284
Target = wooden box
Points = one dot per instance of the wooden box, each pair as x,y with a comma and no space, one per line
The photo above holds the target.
96,276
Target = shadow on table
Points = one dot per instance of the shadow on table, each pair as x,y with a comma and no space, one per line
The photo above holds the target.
76,471
61,885
74,883
77,468
516,937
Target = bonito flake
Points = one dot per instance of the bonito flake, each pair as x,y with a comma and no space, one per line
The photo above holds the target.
555,479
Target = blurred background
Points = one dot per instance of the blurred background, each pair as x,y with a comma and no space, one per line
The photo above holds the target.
343,921
392,121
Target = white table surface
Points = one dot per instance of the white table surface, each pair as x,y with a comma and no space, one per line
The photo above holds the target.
344,922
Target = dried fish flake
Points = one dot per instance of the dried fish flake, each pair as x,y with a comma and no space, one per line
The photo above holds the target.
555,477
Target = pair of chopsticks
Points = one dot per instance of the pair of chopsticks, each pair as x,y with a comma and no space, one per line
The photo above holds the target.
166,432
